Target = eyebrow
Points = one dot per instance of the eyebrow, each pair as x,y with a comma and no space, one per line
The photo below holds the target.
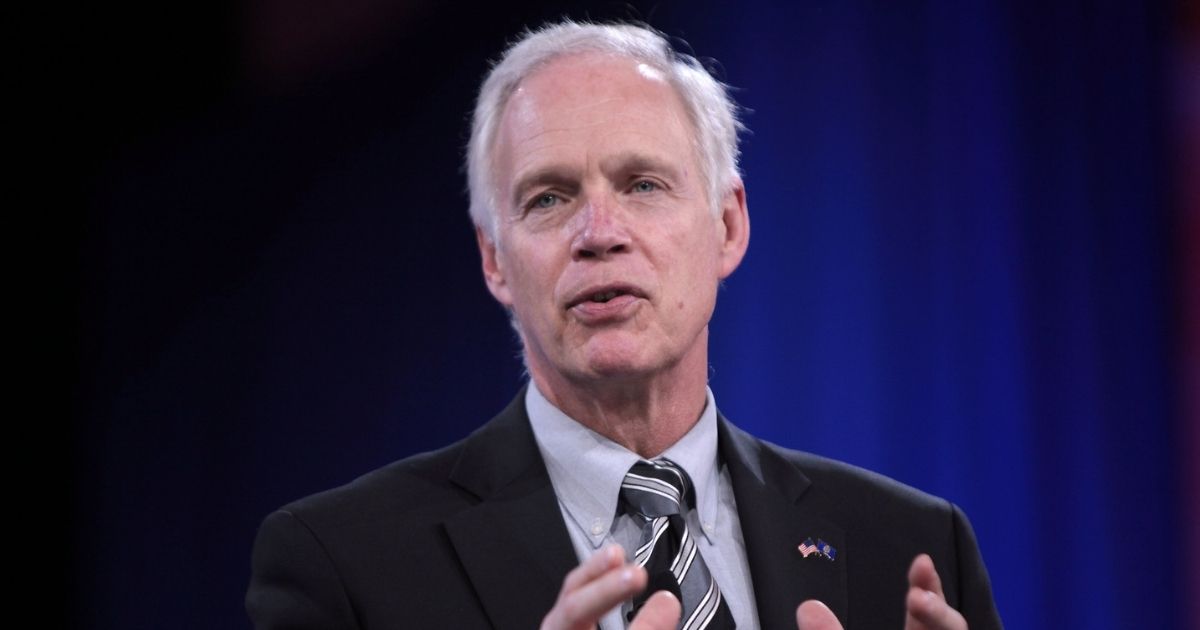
625,164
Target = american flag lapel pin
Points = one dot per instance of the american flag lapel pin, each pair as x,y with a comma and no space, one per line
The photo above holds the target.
807,548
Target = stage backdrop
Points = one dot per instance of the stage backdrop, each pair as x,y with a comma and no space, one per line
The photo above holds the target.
964,272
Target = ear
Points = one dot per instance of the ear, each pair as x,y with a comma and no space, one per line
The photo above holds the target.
736,220
493,273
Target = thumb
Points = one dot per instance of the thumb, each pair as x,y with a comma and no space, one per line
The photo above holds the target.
813,615
661,612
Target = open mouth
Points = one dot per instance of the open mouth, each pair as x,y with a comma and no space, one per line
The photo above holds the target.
605,296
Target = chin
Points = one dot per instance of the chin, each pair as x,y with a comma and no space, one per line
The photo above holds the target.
621,360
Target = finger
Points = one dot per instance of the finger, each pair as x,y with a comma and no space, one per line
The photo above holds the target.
598,564
926,601
583,607
815,615
929,611
660,612
924,576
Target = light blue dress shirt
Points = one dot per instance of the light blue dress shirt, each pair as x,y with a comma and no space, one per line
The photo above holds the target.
586,470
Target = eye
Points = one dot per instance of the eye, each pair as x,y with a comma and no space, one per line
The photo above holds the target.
644,186
544,200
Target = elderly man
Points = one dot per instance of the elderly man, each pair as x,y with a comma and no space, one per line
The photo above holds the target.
608,208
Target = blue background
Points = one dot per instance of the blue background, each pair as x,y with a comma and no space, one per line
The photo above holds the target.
962,274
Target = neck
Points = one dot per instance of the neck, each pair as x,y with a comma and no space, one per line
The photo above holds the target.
644,413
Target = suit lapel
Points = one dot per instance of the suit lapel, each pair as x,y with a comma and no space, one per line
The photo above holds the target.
513,544
778,511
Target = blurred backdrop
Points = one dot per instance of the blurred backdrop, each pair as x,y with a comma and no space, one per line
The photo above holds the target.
973,268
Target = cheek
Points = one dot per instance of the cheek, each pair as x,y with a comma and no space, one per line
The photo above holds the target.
531,279
694,277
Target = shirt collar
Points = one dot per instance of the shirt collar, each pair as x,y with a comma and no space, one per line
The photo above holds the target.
587,468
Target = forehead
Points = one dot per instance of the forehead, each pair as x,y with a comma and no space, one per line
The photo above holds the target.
583,106
590,74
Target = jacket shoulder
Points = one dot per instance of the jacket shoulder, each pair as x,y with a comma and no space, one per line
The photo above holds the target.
413,493
411,487
859,486
866,501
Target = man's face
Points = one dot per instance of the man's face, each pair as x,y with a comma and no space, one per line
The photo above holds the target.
606,248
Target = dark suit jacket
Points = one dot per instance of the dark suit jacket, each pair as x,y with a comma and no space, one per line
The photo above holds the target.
471,536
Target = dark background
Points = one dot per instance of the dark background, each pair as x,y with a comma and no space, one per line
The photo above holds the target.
971,268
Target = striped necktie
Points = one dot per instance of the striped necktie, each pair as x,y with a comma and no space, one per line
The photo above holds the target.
659,494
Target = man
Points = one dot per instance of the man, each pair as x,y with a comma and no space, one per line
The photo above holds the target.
608,208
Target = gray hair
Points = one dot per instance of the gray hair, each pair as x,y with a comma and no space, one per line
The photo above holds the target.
712,111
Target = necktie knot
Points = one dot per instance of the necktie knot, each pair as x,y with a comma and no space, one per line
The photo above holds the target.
657,488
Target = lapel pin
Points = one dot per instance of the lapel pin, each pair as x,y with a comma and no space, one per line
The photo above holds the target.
821,548
827,550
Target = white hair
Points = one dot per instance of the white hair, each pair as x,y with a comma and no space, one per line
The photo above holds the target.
712,111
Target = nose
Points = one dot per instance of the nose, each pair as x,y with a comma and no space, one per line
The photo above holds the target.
601,231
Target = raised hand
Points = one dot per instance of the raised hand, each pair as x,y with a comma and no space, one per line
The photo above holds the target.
926,603
599,584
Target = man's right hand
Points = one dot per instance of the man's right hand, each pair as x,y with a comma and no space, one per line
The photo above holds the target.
600,584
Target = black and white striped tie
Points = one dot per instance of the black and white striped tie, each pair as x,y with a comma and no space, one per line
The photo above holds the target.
659,493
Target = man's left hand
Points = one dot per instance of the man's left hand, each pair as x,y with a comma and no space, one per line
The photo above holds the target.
926,604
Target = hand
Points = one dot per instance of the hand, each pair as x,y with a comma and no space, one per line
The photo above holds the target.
813,615
926,604
602,582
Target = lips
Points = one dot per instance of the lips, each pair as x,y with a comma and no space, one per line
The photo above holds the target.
603,294
605,304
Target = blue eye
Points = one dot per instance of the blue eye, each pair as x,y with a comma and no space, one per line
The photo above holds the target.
545,200
644,186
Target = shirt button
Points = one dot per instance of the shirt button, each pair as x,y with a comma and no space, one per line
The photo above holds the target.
597,527
708,527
